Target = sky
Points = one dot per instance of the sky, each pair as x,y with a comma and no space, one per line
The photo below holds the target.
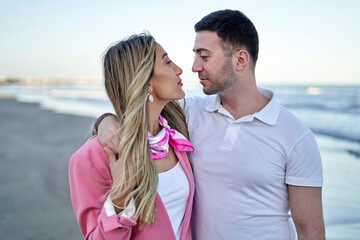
301,42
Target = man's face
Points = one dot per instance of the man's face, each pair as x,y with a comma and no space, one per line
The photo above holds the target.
214,68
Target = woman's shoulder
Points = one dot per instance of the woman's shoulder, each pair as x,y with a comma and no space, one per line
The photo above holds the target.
91,148
92,157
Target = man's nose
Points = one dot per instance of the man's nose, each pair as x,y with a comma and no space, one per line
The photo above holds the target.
197,66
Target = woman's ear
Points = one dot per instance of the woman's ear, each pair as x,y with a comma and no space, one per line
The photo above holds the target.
150,88
241,59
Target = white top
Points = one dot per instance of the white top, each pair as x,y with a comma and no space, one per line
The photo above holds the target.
242,168
174,190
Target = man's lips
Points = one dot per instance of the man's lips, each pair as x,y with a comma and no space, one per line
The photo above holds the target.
203,80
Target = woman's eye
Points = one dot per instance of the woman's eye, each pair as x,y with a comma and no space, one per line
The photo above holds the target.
169,62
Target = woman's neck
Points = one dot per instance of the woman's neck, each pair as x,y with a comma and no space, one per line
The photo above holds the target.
153,112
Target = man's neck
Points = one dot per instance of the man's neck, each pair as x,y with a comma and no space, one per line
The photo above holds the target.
243,101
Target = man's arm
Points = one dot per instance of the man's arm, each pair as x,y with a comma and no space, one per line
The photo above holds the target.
106,128
306,211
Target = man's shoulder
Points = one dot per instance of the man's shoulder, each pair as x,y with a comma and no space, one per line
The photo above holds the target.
291,121
198,101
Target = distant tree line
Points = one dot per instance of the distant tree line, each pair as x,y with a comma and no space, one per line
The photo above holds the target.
7,80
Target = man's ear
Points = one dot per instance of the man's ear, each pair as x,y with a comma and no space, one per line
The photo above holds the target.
241,59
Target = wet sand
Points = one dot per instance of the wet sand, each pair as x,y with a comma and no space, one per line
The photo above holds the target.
35,149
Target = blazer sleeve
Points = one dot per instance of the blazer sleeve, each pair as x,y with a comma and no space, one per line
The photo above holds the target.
90,180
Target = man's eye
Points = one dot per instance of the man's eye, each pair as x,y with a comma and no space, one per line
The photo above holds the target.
204,57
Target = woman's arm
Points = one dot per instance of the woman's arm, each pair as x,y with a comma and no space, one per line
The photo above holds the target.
90,181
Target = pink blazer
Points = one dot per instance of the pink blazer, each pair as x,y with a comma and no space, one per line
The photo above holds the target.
90,180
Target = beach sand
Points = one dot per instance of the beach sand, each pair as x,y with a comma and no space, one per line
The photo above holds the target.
341,192
35,149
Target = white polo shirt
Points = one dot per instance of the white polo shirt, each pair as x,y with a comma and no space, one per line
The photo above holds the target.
242,168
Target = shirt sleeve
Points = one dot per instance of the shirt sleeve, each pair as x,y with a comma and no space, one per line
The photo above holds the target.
129,212
88,189
304,167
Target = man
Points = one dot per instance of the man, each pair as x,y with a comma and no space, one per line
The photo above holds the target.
253,160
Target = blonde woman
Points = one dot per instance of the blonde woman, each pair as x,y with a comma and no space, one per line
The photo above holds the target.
147,191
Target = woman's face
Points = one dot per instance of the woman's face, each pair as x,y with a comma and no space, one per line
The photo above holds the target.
165,84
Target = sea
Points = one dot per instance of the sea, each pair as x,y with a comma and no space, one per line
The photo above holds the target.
332,113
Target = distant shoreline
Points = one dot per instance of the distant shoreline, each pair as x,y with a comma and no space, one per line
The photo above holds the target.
193,82
48,80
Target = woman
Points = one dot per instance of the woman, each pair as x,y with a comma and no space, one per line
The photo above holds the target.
147,191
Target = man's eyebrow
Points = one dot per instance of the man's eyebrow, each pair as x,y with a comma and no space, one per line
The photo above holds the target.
164,55
201,49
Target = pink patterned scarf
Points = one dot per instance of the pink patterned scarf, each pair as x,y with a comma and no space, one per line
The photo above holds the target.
159,144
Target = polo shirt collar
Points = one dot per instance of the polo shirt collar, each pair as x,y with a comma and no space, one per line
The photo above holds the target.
214,103
269,114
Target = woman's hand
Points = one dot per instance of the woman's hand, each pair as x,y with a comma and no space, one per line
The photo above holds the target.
115,164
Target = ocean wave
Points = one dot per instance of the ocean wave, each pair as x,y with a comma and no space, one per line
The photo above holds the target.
340,125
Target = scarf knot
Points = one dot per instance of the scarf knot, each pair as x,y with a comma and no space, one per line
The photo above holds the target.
159,144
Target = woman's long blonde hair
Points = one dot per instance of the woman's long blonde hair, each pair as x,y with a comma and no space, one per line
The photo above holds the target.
128,67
